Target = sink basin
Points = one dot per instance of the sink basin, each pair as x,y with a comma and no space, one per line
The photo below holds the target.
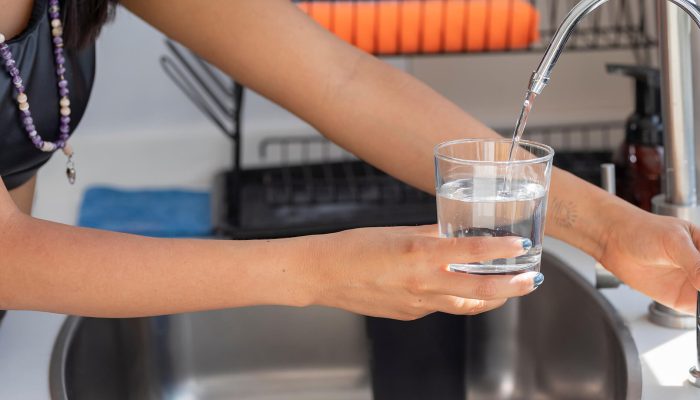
563,342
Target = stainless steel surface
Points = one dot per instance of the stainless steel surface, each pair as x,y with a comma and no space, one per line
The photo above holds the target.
660,206
536,348
695,376
605,279
541,76
677,101
664,316
607,174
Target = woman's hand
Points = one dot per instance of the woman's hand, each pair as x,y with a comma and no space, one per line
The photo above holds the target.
402,273
657,256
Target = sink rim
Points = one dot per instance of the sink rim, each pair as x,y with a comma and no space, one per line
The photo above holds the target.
64,340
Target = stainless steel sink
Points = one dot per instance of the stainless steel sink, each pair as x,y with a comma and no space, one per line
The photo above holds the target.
563,342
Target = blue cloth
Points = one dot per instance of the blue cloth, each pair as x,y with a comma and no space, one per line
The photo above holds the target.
157,213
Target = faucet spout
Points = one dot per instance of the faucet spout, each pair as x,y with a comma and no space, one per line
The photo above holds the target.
540,78
680,198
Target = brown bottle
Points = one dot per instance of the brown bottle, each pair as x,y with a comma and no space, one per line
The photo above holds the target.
639,161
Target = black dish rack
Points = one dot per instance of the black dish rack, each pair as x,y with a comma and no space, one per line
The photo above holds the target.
315,195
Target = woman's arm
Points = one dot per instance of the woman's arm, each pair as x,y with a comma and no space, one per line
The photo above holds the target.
393,121
387,272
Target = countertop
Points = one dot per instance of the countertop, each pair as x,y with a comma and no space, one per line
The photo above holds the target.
26,338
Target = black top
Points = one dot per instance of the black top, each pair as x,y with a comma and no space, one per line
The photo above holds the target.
33,51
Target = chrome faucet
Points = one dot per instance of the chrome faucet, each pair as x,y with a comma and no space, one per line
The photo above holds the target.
680,192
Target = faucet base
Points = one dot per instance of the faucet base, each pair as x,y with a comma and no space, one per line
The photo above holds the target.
669,318
689,213
694,378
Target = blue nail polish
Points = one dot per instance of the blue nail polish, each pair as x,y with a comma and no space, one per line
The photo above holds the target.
537,280
527,244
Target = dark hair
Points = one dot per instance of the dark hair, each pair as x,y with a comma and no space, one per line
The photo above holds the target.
84,20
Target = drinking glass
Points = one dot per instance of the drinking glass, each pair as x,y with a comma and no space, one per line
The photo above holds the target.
480,192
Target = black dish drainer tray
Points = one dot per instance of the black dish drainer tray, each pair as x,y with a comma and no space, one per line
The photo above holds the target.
313,199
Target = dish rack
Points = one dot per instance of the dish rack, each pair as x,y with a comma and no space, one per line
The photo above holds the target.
482,26
315,192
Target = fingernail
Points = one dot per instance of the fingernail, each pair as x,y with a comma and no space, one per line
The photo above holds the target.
526,243
537,280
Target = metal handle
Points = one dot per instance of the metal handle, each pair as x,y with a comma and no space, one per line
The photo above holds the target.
605,279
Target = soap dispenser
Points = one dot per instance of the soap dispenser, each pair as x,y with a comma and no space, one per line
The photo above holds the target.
639,161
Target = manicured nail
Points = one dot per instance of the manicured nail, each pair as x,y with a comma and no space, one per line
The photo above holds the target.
537,280
526,243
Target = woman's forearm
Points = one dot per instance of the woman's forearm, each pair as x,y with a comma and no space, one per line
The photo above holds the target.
52,267
379,113
413,119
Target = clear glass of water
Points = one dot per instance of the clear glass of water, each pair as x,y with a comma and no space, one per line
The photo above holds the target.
482,192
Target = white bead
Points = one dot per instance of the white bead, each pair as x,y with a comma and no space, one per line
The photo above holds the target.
55,23
57,31
48,147
64,102
22,98
2,38
65,111
68,150
24,106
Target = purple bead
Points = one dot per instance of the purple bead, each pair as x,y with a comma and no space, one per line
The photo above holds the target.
63,92
60,60
60,71
17,81
14,71
33,133
64,137
30,127
54,15
10,63
20,88
27,113
63,83
35,139
64,129
65,120
58,51
28,121
57,41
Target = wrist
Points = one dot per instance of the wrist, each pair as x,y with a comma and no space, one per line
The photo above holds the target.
584,215
301,270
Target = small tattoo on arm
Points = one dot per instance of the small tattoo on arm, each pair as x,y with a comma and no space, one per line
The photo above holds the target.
564,213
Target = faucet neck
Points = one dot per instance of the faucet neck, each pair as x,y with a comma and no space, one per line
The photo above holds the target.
540,78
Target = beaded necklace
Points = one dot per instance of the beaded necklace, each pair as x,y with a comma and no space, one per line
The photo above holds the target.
64,102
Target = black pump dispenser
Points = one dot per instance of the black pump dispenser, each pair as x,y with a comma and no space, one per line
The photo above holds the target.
645,126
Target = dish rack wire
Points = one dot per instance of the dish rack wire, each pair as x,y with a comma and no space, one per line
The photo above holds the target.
311,191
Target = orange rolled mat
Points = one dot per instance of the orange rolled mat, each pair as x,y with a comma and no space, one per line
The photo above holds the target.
429,26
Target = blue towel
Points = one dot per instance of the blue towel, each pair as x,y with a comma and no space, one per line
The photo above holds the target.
156,213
